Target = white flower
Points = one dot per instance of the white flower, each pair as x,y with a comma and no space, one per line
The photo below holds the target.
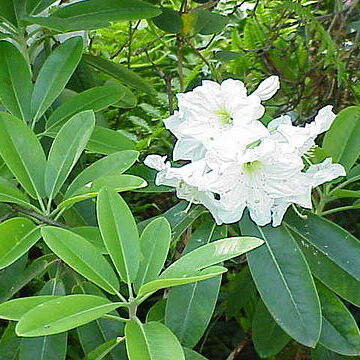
267,179
219,117
301,138
237,162
187,180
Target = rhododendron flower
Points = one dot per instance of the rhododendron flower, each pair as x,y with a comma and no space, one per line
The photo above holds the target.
236,161
219,117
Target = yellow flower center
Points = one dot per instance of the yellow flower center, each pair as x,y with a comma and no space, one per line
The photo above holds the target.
224,117
252,166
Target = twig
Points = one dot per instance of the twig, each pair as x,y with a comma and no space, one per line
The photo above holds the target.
168,80
239,347
41,218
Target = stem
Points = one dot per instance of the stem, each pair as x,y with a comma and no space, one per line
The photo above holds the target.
122,298
115,318
43,219
180,58
343,184
333,211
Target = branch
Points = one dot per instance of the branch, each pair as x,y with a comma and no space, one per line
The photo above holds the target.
239,347
43,219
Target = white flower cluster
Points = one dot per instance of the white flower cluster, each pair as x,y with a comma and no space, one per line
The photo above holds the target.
236,162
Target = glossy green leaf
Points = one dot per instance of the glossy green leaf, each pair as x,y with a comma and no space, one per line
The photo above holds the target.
332,252
15,78
66,150
154,246
15,277
190,277
63,313
82,256
7,11
208,23
178,218
93,235
54,75
285,283
91,14
211,254
95,99
157,311
115,163
37,6
151,341
339,332
321,353
52,347
192,355
120,234
119,183
189,308
344,193
10,193
169,20
119,72
99,331
27,163
9,343
354,173
17,236
16,308
267,335
107,141
104,349
341,141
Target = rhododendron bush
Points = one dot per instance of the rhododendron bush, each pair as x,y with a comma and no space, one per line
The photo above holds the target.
179,180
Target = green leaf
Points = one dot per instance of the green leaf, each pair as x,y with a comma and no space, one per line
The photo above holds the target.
178,219
7,11
211,254
54,75
62,314
104,349
10,193
15,309
190,277
339,332
93,235
66,150
267,335
27,163
344,193
52,347
151,341
15,78
154,246
115,163
82,256
95,99
321,353
208,23
119,72
157,311
17,236
107,141
169,21
99,331
91,14
332,253
9,343
192,355
119,183
189,308
120,234
285,283
341,141
34,7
